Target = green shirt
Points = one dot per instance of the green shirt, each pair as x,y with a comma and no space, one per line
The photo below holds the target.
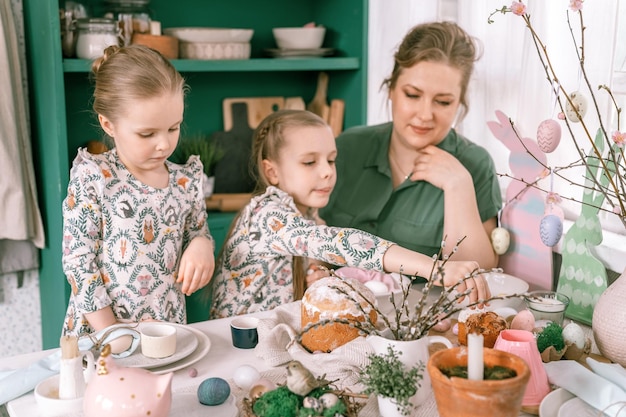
412,214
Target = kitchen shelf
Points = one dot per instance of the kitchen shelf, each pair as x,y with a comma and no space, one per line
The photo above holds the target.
243,65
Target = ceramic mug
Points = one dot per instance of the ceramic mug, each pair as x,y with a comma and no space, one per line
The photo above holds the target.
158,340
244,332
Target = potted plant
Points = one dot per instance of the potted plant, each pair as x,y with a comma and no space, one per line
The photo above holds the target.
208,152
392,382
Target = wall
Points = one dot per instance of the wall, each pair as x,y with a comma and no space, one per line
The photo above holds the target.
20,313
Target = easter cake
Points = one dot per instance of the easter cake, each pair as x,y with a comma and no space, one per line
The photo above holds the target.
487,323
334,298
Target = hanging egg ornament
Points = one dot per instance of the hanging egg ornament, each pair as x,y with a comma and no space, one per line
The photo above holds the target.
500,240
548,135
551,229
579,102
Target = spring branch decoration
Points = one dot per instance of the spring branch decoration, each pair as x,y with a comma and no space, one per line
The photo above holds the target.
606,155
411,322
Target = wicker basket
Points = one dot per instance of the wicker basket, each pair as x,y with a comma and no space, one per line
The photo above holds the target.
166,45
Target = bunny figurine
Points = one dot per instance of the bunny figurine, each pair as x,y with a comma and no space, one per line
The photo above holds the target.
583,277
126,392
527,257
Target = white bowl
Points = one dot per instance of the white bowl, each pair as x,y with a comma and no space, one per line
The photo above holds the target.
501,284
211,50
49,404
300,37
215,35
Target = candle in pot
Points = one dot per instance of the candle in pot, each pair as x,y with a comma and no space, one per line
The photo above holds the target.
475,360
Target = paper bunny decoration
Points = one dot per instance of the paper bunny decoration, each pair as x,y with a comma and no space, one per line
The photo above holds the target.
527,258
582,276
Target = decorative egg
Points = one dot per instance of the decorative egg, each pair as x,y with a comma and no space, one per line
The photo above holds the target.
377,287
548,135
245,376
261,386
312,403
550,229
443,326
580,103
524,320
329,400
213,391
500,240
573,334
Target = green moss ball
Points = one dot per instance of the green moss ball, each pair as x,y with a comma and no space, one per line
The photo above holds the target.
213,391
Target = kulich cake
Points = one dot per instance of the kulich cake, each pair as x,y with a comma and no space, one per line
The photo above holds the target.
321,302
487,323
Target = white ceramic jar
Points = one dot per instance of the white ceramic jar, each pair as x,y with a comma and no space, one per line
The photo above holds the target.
94,35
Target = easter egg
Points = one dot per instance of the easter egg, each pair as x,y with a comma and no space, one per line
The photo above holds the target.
524,320
213,391
261,386
579,102
377,287
329,400
573,334
548,135
245,376
550,229
500,240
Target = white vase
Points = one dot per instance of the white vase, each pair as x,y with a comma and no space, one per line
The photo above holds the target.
387,407
411,353
609,320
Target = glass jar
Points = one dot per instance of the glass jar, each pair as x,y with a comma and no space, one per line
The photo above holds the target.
94,35
132,16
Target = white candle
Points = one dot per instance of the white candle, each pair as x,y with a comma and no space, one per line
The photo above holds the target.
475,361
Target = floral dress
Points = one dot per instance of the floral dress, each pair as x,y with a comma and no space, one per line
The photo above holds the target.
255,270
122,239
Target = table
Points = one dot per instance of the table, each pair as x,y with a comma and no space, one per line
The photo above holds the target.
221,361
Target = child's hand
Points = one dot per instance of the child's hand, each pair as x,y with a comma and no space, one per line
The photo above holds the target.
314,273
196,265
458,270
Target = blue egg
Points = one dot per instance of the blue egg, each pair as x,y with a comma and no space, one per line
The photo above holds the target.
551,229
213,391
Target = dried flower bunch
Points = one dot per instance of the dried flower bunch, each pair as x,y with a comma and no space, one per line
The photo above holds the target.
604,163
411,322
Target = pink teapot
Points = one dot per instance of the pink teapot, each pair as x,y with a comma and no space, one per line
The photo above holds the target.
126,392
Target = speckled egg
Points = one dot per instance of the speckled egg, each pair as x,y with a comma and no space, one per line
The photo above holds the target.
245,376
548,135
312,403
550,229
329,400
580,102
213,391
500,240
574,334
524,320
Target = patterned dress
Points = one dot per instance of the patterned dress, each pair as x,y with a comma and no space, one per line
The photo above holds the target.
122,239
255,270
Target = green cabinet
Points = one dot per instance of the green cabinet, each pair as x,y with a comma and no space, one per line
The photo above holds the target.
60,93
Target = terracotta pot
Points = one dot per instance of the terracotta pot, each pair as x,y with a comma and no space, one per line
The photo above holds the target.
460,397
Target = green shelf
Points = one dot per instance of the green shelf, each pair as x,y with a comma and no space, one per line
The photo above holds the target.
243,65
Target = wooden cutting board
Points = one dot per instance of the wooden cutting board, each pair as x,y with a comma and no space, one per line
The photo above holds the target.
319,105
258,109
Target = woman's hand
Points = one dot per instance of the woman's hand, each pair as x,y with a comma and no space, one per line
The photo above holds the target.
440,168
456,271
196,265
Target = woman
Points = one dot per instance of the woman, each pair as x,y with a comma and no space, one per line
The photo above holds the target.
415,180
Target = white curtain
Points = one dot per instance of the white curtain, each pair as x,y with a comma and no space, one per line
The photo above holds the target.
509,76
21,229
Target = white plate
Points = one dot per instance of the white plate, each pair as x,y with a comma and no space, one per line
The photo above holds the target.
299,53
578,408
204,345
552,402
501,284
186,344
187,404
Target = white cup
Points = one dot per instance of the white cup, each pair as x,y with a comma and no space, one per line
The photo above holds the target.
49,403
158,340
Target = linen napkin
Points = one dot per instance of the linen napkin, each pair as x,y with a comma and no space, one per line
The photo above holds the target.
20,381
598,388
277,346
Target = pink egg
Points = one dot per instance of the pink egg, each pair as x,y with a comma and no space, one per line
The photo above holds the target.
524,320
550,229
548,135
443,326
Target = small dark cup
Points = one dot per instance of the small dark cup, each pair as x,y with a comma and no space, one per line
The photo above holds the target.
244,332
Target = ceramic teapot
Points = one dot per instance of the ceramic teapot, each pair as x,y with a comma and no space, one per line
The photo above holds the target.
126,392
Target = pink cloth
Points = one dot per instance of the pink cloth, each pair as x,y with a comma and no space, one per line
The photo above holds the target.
363,275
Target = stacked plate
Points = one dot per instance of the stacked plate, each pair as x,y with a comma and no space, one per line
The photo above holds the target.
212,43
